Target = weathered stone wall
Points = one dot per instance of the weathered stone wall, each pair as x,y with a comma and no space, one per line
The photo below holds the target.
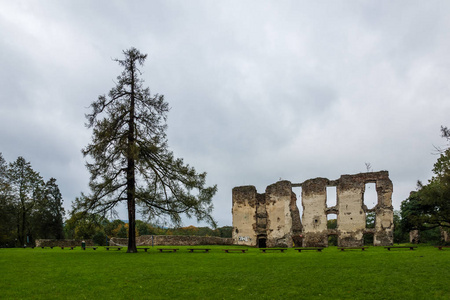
62,243
279,219
445,236
274,216
244,210
270,219
414,236
384,211
351,217
314,219
173,240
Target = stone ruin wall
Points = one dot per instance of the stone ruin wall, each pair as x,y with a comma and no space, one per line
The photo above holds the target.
172,240
272,216
144,240
62,243
272,219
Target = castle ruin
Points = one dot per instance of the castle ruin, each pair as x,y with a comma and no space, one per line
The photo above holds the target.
273,219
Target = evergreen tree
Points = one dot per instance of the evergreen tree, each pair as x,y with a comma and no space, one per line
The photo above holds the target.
48,213
26,186
130,157
7,209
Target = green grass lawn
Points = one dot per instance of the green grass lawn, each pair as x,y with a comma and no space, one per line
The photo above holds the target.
331,274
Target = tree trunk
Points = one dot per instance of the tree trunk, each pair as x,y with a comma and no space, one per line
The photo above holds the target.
131,221
22,229
131,179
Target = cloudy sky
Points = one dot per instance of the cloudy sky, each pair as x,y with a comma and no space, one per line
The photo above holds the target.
259,90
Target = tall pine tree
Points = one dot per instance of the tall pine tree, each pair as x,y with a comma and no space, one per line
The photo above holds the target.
130,160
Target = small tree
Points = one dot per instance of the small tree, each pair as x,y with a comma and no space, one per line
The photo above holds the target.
130,157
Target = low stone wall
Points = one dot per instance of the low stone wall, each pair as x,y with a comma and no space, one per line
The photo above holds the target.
174,240
62,243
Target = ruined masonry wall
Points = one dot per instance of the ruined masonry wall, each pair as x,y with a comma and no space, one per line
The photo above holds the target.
62,243
314,202
173,240
274,216
351,218
244,215
279,220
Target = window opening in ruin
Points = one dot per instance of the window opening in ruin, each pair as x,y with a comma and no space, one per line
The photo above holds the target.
298,193
370,220
262,241
331,221
370,195
368,239
331,196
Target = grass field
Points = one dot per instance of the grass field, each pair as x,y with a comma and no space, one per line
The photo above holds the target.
331,274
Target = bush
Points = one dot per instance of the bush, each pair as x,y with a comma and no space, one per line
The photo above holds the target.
99,238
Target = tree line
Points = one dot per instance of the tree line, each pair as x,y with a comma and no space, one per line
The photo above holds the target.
428,208
101,230
30,207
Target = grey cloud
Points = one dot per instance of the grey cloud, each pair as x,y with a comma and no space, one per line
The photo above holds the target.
259,90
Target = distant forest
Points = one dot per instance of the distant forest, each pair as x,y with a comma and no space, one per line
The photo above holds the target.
32,208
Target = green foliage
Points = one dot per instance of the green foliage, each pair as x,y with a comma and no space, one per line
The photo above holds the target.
225,231
142,228
429,207
332,239
25,191
122,233
332,224
370,220
79,226
431,236
130,159
400,235
83,225
7,209
100,238
48,213
29,207
111,228
331,274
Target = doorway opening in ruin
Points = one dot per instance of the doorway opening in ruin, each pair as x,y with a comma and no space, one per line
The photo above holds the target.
262,239
298,192
331,196
332,240
370,196
368,239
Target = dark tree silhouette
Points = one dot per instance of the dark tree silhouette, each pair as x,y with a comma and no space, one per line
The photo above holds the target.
130,160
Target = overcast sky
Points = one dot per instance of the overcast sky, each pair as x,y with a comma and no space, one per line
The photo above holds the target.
259,90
